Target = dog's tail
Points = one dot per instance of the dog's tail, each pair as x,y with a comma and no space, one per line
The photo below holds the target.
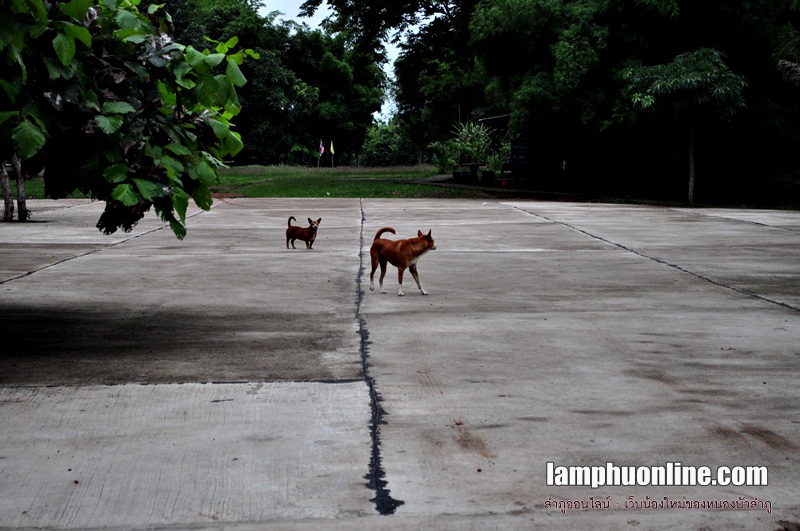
290,220
384,229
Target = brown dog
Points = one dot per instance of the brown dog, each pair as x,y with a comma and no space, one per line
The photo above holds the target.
307,234
402,254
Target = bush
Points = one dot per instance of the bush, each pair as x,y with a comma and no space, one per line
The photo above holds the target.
385,146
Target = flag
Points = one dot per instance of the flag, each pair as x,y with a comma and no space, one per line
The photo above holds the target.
321,147
331,147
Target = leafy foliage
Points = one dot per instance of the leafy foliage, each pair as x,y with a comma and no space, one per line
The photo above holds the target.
699,78
99,95
470,143
559,69
308,85
438,84
385,145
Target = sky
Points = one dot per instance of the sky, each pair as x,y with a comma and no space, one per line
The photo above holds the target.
291,8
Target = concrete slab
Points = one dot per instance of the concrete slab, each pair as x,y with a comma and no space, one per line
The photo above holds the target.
142,456
227,382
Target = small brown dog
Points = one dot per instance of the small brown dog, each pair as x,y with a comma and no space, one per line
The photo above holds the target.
402,254
307,234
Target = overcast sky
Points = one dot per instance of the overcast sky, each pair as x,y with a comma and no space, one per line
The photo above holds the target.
291,8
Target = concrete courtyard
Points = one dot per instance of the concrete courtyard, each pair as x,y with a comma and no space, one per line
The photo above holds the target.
225,382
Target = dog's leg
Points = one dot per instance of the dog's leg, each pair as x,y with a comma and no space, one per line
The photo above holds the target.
287,242
293,247
400,271
382,261
374,258
414,274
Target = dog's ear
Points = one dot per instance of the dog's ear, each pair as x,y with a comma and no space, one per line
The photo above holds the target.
319,221
309,221
429,232
419,234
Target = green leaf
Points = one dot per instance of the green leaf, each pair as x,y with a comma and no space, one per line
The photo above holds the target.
233,143
56,70
91,100
180,201
214,59
116,173
202,197
173,166
234,74
180,70
4,116
237,58
177,228
78,33
206,91
148,189
28,139
12,91
178,149
125,194
65,48
29,7
126,19
117,107
77,8
201,62
132,35
203,172
109,124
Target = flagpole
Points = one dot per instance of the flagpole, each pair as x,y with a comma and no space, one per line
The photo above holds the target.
331,153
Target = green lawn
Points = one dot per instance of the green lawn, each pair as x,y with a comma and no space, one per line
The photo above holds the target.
294,181
34,189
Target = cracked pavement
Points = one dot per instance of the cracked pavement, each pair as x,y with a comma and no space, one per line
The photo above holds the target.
224,381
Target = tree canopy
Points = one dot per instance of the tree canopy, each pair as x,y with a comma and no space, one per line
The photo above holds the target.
101,96
309,84
558,69
606,95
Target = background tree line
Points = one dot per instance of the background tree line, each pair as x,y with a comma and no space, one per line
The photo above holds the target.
309,84
629,97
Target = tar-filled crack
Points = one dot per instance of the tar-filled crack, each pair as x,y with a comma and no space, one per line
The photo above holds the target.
384,503
665,263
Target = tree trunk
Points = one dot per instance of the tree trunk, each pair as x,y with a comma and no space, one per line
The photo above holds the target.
691,157
5,184
22,208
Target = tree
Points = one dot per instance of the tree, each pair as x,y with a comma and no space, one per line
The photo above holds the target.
309,83
386,146
559,68
347,83
438,84
694,81
96,92
274,97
